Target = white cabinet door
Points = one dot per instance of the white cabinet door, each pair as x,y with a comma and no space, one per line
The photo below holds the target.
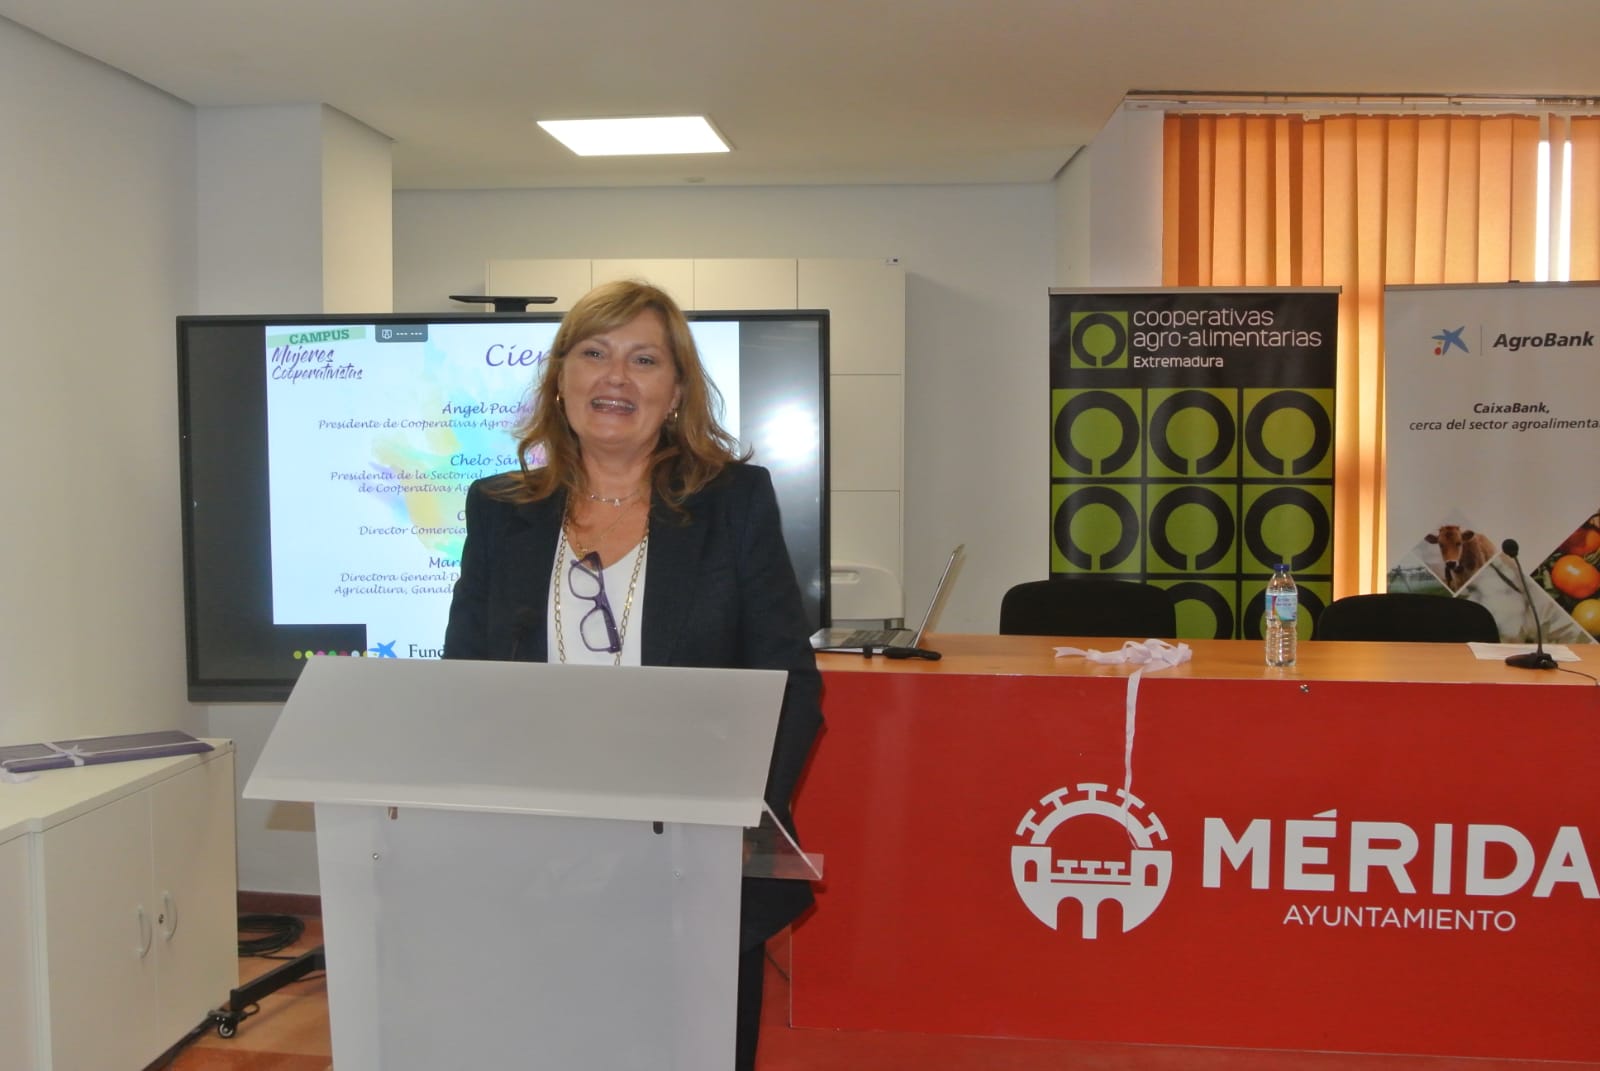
195,893
564,280
866,303
99,938
744,284
18,1050
676,277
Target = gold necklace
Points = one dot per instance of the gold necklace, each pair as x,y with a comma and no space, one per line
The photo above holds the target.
627,606
569,526
618,502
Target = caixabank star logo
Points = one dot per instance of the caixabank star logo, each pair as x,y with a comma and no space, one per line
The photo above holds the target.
1090,845
1446,340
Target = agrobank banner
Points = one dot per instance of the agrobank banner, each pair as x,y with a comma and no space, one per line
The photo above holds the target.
1492,429
1191,445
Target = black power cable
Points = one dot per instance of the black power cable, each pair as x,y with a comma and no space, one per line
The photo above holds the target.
279,932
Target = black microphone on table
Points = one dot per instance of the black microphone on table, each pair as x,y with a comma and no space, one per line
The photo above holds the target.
1538,658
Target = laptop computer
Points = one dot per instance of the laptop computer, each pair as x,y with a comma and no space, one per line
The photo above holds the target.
858,639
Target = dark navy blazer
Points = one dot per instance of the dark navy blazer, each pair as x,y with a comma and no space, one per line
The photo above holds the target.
720,591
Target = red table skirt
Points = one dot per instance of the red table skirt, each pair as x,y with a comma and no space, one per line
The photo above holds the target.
1333,865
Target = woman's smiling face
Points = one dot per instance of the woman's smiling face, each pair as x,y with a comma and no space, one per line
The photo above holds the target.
618,386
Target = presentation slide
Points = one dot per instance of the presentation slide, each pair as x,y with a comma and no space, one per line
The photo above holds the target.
374,434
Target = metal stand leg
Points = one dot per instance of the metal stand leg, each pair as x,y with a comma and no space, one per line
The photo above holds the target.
240,999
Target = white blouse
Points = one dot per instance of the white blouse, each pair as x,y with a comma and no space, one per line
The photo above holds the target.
573,609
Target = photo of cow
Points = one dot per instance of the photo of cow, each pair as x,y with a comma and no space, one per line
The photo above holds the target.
1443,560
1462,552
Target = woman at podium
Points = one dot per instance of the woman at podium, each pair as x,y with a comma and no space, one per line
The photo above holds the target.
634,534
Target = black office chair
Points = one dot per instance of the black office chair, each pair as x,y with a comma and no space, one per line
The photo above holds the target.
1088,606
1402,617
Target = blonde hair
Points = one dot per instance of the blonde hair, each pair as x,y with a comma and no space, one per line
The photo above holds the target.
692,448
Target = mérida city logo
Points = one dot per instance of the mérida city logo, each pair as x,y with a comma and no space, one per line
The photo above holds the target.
1095,846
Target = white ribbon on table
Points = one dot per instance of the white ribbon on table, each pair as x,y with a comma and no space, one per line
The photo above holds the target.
16,777
73,753
1152,655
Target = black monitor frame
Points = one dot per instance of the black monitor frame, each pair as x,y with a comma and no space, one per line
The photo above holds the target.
226,510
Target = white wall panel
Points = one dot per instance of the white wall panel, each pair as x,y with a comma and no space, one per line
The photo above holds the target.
864,433
744,284
564,280
260,209
357,216
1073,219
862,338
865,527
1125,197
676,277
97,255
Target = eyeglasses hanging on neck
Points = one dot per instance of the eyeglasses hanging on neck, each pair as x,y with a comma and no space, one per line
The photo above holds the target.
598,627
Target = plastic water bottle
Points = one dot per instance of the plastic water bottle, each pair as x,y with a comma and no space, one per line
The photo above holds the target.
1283,610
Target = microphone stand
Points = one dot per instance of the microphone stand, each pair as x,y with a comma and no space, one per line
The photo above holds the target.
1538,658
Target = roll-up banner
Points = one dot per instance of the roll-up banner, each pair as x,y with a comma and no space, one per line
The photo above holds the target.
1493,434
1191,445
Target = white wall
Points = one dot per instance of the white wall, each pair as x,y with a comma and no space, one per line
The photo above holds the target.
979,261
1125,214
97,255
357,216
260,209
1073,217
295,210
100,196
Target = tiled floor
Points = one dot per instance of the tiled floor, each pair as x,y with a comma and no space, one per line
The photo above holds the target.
290,1033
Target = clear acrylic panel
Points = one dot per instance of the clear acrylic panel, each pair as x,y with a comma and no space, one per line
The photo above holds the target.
769,852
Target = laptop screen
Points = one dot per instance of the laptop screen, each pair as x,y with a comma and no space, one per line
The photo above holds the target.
941,590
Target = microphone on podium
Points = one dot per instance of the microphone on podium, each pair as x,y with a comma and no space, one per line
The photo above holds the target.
1538,658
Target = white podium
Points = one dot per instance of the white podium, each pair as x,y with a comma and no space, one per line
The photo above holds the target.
531,866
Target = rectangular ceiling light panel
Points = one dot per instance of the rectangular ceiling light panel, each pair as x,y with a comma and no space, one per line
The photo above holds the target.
679,134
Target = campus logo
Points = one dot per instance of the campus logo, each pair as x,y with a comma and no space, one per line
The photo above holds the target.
1447,339
1091,849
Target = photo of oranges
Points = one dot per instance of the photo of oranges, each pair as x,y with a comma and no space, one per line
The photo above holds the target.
1574,576
1584,541
1571,575
1587,615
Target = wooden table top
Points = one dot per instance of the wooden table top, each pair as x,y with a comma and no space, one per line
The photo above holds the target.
1318,660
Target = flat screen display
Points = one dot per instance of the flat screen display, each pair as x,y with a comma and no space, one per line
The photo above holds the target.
325,462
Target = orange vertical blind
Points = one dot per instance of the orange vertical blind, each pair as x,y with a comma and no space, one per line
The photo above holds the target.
1585,224
1361,202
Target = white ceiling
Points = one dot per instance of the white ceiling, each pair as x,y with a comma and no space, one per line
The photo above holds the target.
807,91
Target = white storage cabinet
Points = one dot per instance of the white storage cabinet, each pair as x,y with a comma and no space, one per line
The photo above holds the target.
130,903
